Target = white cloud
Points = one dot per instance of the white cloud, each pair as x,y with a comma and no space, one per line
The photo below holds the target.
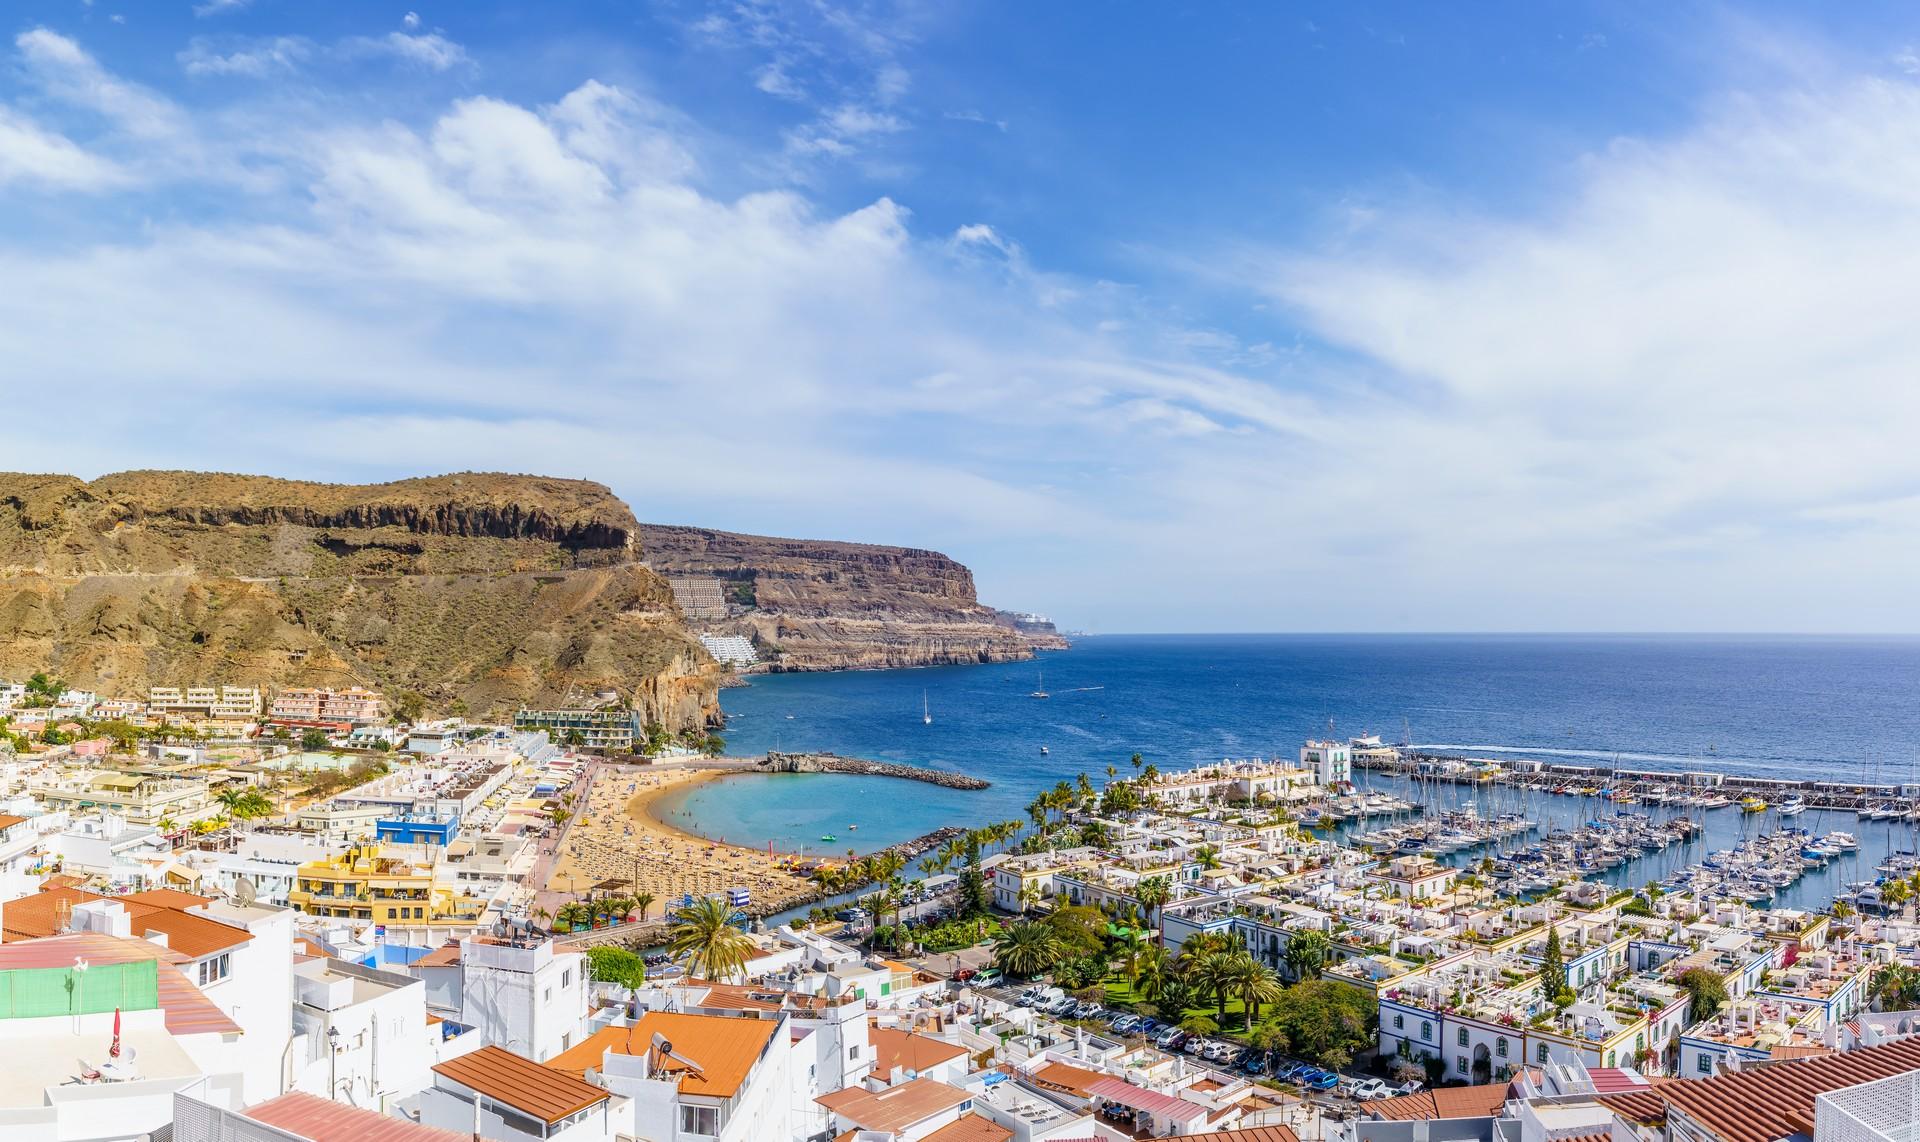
254,59
1679,399
218,7
430,50
410,21
68,74
31,154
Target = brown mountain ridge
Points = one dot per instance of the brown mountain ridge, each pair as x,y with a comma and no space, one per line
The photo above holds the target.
487,588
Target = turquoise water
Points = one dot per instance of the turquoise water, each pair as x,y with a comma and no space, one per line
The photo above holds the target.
1835,707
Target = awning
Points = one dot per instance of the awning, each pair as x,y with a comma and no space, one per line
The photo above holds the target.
1163,1107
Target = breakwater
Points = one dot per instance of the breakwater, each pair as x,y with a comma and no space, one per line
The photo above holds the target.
834,763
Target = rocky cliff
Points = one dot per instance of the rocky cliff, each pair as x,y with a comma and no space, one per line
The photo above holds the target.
816,605
484,588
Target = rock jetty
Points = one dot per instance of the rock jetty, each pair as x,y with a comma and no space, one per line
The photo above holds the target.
834,763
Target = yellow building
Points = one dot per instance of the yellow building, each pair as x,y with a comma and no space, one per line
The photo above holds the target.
364,884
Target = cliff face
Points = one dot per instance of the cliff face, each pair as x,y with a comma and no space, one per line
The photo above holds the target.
814,605
491,589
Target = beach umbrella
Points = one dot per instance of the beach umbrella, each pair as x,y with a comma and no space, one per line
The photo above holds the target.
113,1052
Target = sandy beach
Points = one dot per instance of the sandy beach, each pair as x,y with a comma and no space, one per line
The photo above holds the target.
616,836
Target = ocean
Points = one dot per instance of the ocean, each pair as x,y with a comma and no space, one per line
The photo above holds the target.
1829,707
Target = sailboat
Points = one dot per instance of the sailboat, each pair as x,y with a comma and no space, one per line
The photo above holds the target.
926,711
1042,691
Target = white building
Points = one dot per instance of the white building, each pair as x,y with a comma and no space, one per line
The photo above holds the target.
362,1034
497,1094
1331,761
523,994
693,1076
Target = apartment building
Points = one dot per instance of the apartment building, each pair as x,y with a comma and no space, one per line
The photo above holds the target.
498,1094
352,705
221,703
607,728
692,1076
372,883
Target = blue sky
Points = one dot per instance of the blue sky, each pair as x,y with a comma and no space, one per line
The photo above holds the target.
1162,317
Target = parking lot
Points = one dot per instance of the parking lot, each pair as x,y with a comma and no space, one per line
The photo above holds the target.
1325,1092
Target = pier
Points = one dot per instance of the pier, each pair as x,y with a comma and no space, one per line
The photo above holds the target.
834,763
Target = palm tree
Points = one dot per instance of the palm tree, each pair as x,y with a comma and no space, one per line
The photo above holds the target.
1895,987
1151,972
703,934
642,901
1026,949
1306,954
1029,896
1153,893
1256,984
1217,973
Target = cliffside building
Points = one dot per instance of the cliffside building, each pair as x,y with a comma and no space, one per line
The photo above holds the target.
611,728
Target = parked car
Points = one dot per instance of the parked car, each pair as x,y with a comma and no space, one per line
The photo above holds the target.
987,977
1367,1090
1411,1086
1321,1080
1125,1023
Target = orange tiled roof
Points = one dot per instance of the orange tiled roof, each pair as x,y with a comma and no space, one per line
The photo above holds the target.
45,912
188,1010
726,1048
1769,1102
1066,1076
909,1051
1442,1102
548,1094
970,1128
311,1116
896,1107
1257,1134
166,898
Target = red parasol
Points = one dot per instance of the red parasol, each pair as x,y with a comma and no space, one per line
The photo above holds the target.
113,1052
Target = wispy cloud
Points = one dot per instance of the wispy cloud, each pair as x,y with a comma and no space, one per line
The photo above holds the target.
218,7
253,58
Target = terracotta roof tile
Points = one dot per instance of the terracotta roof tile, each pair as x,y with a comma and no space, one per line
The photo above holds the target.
896,1107
548,1094
725,1047
1257,1134
1442,1102
188,1010
1766,1103
446,955
970,1128
909,1051
313,1117
167,898
1067,1077
46,912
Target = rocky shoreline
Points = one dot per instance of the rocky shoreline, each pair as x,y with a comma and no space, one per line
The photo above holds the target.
834,763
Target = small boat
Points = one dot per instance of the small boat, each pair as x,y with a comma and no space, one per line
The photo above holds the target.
1041,691
1043,751
926,711
853,826
1792,807
828,837
1752,805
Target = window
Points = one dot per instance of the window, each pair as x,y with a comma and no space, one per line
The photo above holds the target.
1543,1052
566,978
1500,1047
1705,1065
1463,1036
548,996
700,1120
1399,1021
1426,1030
1462,1061
853,1052
213,968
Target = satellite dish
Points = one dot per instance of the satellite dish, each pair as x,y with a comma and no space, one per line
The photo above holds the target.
244,892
